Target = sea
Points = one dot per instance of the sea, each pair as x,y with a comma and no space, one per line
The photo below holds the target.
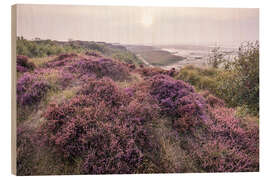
198,55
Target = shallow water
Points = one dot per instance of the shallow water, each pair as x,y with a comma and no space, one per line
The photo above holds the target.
195,56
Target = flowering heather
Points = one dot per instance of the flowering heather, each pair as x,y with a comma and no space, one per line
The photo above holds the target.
61,61
212,100
102,125
226,146
30,89
26,143
101,67
178,100
67,55
23,64
92,54
149,72
192,110
149,122
168,92
105,90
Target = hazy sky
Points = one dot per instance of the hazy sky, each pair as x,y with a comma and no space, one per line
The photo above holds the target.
138,25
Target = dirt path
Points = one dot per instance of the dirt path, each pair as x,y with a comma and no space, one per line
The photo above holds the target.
144,61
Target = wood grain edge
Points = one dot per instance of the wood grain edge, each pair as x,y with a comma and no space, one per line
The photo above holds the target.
13,87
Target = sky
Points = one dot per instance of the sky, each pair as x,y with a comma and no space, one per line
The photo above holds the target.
138,25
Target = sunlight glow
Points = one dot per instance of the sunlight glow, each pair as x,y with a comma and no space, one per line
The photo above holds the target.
147,20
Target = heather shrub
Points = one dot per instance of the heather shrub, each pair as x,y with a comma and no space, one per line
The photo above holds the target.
142,111
66,78
101,67
61,60
23,64
150,72
168,92
31,89
228,147
212,100
104,90
103,125
66,55
215,156
178,100
57,78
191,111
93,53
26,148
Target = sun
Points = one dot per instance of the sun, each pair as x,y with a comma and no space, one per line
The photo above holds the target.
147,20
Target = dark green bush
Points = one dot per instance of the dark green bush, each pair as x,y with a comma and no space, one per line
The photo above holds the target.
238,84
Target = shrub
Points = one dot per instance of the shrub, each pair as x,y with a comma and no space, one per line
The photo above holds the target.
102,125
61,60
212,100
101,67
192,113
178,100
126,57
150,72
240,151
23,64
26,149
92,53
246,66
104,90
168,92
200,78
237,84
30,89
66,55
42,48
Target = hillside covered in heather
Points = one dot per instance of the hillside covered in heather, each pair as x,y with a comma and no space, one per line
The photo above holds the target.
96,108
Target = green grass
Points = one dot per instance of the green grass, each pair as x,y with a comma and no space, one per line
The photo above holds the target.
39,61
201,78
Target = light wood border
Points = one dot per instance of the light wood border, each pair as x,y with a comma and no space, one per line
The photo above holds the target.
13,87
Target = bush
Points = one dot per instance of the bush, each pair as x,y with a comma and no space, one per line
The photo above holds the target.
101,67
127,57
246,66
43,48
237,85
212,100
92,53
61,60
178,100
26,149
192,113
30,89
200,78
235,149
23,64
103,126
168,92
150,72
66,55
